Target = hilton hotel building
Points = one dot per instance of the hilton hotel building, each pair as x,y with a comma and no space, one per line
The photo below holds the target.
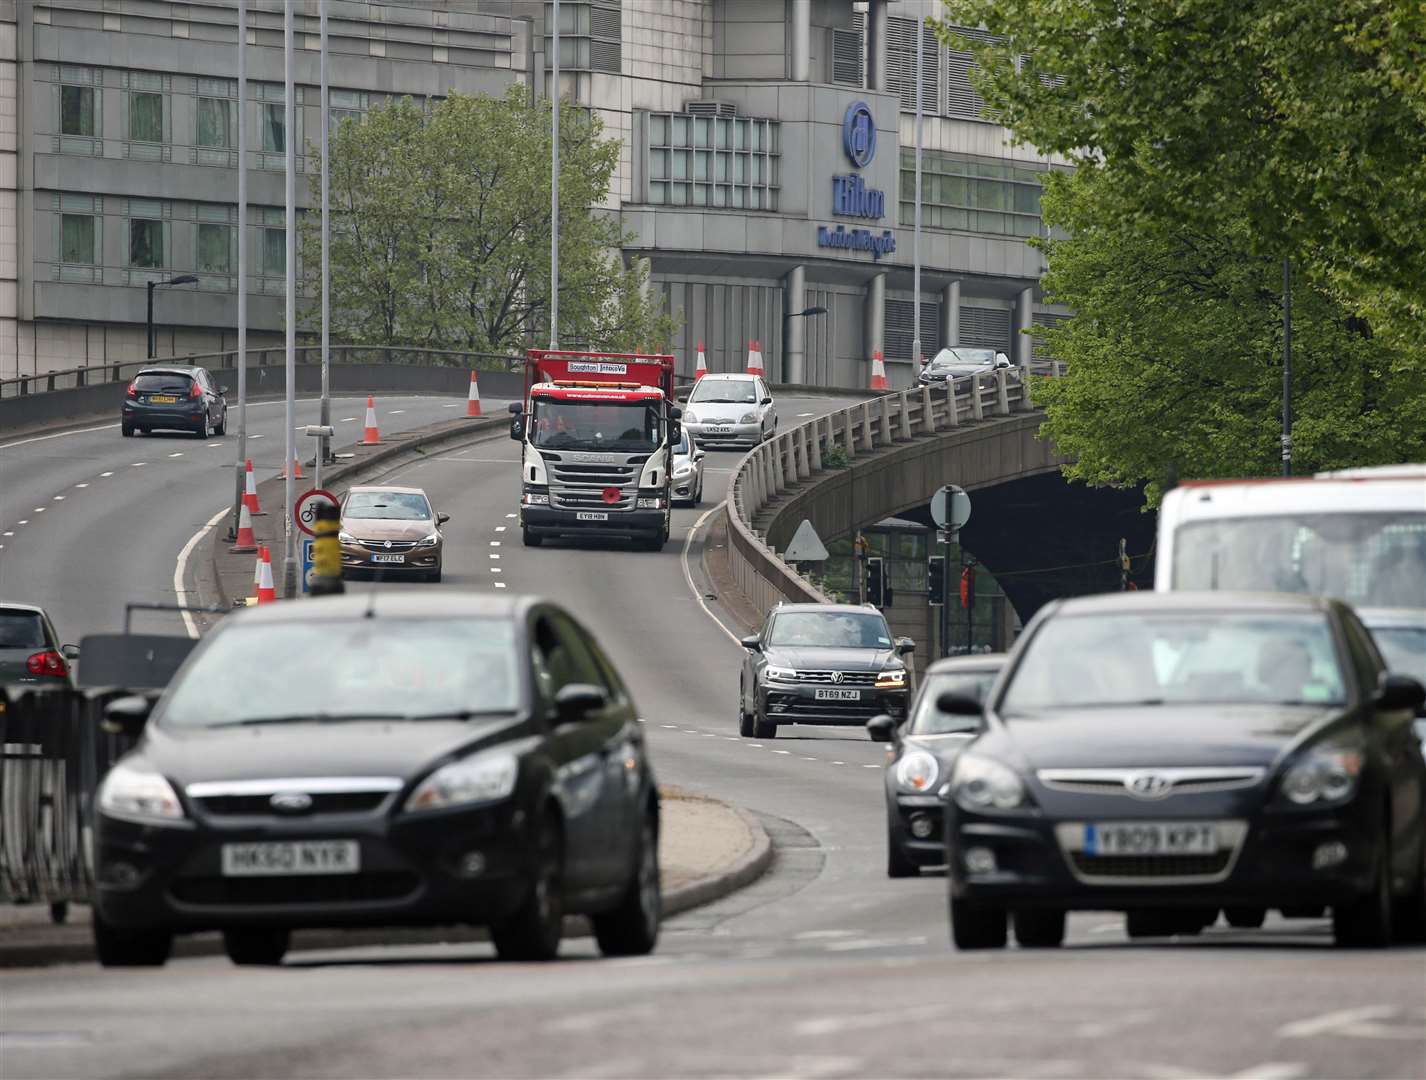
767,167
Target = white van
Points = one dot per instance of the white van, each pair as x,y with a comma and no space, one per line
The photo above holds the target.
1359,535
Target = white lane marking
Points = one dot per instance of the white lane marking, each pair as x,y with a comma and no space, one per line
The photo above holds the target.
23,521
106,474
500,584
39,509
501,528
839,763
495,543
756,745
394,412
731,738
809,759
346,419
871,766
181,594
688,574
829,1025
496,570
671,727
137,464
178,454
710,734
802,414
808,935
10,533
510,515
81,485
259,436
59,498
1362,1023
211,445
452,405
57,435
782,751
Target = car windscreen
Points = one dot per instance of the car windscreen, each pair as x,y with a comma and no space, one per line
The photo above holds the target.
729,391
632,426
929,720
832,629
968,359
21,630
387,506
163,382
1368,559
1215,657
1403,648
386,668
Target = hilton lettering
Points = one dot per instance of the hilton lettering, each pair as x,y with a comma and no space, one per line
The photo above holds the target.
852,198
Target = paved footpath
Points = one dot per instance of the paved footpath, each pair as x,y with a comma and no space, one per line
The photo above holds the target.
707,849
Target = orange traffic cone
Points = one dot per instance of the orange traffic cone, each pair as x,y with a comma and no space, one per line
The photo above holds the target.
472,402
266,591
878,372
247,542
250,490
296,467
702,368
372,436
755,358
257,578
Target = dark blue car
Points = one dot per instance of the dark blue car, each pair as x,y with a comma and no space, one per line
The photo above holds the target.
175,398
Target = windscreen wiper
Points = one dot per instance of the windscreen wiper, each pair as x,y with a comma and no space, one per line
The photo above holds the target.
309,718
457,714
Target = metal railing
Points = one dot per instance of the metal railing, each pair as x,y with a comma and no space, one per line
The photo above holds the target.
799,453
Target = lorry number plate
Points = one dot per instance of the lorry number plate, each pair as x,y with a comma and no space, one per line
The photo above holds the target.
591,515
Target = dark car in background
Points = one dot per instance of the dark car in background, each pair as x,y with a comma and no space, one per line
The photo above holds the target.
923,749
1169,755
30,650
821,664
175,398
452,759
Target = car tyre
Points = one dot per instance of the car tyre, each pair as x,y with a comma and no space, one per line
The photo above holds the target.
698,494
256,946
745,722
434,576
1245,918
978,926
898,864
119,947
632,928
528,538
222,428
205,426
762,728
1409,918
126,430
533,932
1365,922
1040,928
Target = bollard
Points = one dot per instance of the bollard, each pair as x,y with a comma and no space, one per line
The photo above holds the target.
326,552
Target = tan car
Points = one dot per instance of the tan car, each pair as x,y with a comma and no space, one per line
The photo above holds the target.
391,531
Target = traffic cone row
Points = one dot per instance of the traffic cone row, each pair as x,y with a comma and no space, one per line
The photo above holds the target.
702,368
878,372
371,437
266,590
250,489
472,402
755,358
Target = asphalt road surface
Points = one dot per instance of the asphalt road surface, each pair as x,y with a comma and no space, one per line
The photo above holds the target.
825,968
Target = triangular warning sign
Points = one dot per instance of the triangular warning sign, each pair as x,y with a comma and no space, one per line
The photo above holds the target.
806,545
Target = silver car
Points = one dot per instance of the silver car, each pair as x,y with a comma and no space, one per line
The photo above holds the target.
959,362
730,410
688,471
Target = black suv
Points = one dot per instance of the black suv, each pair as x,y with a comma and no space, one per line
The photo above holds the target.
821,664
178,398
452,759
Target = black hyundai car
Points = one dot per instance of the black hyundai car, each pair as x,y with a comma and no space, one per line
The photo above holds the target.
175,398
923,749
381,760
1172,754
821,664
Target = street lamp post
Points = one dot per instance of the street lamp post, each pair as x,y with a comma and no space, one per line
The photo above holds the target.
182,279
809,311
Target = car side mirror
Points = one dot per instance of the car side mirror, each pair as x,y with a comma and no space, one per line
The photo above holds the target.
752,642
699,455
517,429
881,728
676,413
575,701
1397,692
516,408
127,715
675,433
441,519
958,705
70,652
905,646
767,401
222,389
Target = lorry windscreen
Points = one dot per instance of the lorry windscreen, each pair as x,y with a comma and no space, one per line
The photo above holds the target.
632,426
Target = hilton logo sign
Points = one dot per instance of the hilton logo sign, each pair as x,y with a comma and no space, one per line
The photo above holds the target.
850,195
852,198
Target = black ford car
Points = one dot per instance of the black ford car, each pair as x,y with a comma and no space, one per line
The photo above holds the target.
821,664
1170,755
175,398
452,759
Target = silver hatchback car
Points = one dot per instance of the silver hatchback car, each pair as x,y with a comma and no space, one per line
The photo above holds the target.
688,471
730,410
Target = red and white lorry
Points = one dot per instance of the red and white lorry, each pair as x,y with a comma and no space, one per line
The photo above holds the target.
597,433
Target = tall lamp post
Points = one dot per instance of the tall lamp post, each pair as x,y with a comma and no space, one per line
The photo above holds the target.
802,345
182,279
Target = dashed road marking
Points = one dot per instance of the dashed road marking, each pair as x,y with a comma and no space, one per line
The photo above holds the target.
671,727
495,543
492,555
756,745
782,751
106,474
137,464
501,528
731,738
213,445
871,766
839,763
394,412
496,570
257,436
59,498
177,454
809,759
510,515
39,509
10,533
81,485
500,584
23,521
346,420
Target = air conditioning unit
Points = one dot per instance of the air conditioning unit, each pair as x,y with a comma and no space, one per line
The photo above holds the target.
711,108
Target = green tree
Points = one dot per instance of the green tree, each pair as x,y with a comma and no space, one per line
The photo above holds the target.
1173,355
1303,120
441,230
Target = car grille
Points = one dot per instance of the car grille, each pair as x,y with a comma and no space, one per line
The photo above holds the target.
332,802
388,545
828,678
1150,866
300,889
1181,781
577,485
791,708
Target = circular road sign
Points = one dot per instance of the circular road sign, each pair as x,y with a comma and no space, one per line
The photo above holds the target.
950,507
304,511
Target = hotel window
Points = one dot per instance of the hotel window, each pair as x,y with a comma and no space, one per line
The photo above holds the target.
215,249
76,110
274,127
968,195
215,123
79,105
76,239
274,252
146,244
706,160
145,116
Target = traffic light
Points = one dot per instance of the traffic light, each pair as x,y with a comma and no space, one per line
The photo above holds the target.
876,581
936,580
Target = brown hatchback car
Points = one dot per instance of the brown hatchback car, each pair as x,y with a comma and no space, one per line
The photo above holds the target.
391,531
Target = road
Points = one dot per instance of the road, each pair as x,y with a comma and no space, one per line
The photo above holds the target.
825,968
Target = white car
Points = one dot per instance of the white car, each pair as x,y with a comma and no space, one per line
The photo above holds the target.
730,410
959,362
688,471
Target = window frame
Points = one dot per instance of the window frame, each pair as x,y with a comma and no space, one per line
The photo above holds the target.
162,245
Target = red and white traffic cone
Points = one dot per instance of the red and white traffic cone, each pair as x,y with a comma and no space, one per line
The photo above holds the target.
266,591
702,368
296,467
372,437
878,372
250,489
755,358
472,401
257,578
247,542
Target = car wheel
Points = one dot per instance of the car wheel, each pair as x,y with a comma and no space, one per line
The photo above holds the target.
1040,928
745,722
977,926
59,912
632,928
126,430
119,947
222,428
898,864
1366,921
256,946
533,931
1245,918
205,426
528,538
1409,918
763,728
434,576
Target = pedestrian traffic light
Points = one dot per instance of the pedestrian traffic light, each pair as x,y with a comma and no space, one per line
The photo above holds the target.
936,580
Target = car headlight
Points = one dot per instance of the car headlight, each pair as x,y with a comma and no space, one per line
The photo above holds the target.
535,498
782,674
749,418
689,417
649,502
917,771
478,779
892,679
139,796
982,783
430,541
345,537
1325,772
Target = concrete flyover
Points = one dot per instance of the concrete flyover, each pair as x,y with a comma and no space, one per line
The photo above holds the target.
1047,536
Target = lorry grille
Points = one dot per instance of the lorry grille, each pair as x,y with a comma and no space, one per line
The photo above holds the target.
580,486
